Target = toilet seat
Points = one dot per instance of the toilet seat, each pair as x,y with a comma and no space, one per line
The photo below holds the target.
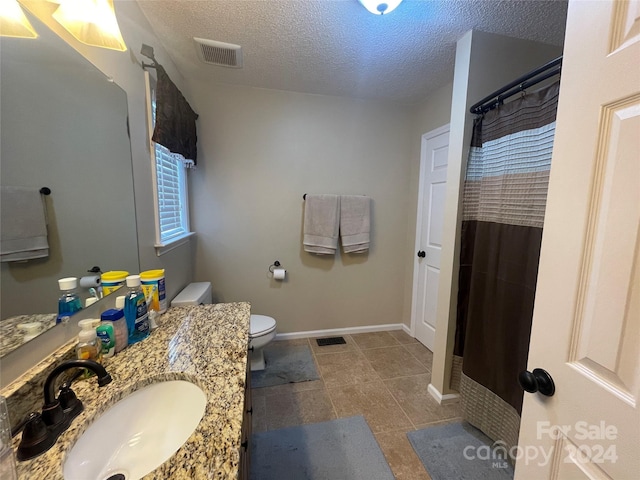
260,325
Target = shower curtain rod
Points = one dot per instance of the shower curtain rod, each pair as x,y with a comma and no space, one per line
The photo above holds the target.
147,51
520,84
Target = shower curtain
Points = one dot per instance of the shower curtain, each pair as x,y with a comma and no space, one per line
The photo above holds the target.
504,201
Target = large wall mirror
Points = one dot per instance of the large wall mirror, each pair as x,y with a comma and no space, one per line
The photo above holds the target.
64,127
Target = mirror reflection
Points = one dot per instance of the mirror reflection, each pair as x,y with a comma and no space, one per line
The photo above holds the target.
64,127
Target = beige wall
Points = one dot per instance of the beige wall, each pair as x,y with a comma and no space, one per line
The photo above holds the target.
260,151
484,63
124,68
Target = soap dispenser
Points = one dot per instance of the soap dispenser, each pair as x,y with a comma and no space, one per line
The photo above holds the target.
88,347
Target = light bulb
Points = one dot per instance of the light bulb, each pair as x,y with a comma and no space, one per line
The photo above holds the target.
380,7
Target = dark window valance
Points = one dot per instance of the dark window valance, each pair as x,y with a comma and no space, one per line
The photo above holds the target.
175,119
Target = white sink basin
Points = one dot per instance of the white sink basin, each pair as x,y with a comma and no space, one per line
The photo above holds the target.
138,433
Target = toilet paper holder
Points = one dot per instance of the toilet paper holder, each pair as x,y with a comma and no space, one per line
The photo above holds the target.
274,265
277,271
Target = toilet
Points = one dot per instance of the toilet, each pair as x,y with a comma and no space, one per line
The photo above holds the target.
262,329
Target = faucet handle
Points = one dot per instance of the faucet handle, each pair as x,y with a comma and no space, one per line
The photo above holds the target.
35,438
68,400
35,427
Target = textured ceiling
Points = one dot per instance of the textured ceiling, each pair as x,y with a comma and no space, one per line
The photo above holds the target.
336,47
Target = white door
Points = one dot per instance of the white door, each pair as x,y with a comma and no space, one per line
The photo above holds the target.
586,323
426,271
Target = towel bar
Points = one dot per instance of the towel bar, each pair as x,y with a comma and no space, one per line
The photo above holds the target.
304,197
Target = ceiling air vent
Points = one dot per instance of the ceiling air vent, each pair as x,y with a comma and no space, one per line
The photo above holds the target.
219,53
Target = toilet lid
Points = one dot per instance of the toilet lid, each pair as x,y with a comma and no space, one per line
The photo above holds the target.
261,324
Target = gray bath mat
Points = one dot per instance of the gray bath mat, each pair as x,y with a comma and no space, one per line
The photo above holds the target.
459,451
336,450
285,364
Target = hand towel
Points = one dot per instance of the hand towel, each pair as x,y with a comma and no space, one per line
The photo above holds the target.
24,225
355,223
321,214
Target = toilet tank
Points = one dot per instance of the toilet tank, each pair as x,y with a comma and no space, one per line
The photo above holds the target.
193,294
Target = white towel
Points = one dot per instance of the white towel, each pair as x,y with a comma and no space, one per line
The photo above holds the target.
321,213
24,225
355,223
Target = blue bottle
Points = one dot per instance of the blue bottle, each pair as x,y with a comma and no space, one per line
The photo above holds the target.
135,310
69,302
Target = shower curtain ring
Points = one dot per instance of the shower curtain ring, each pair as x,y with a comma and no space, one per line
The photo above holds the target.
523,90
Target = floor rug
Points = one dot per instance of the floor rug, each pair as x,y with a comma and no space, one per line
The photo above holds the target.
343,449
460,451
285,364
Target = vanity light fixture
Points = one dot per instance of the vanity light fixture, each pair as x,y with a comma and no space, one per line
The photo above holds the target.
380,7
92,22
13,22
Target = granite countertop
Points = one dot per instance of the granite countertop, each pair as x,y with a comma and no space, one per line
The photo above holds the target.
206,345
11,337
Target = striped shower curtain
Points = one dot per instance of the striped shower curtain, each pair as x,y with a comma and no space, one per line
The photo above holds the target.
504,201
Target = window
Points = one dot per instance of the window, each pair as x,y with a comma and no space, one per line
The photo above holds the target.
172,195
170,189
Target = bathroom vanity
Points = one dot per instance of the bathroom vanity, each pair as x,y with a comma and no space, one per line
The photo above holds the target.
205,345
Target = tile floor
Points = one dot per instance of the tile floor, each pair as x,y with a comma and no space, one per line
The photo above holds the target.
382,376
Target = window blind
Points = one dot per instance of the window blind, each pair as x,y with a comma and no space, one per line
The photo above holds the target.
171,182
170,177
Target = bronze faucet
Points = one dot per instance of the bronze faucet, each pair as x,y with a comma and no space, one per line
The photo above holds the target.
43,429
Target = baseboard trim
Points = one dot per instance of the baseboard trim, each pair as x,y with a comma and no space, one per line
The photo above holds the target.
407,330
446,399
341,331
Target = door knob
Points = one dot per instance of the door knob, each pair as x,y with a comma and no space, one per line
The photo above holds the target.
538,381
422,254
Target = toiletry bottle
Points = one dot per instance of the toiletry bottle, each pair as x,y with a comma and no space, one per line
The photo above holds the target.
31,330
69,302
90,301
115,317
107,339
135,310
153,316
88,347
120,302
